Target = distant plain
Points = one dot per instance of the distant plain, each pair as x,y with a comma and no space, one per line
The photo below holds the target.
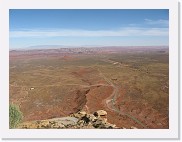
131,84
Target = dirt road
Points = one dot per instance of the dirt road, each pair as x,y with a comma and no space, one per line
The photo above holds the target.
110,102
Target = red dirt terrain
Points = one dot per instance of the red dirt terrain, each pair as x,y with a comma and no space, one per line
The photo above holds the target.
35,109
46,90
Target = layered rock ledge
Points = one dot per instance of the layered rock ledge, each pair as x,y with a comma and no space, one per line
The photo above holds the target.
79,120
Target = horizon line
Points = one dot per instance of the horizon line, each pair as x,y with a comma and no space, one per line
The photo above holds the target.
38,47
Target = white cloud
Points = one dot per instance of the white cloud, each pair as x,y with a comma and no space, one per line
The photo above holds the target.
161,22
127,31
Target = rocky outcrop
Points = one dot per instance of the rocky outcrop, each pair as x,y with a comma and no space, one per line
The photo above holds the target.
79,120
96,120
100,113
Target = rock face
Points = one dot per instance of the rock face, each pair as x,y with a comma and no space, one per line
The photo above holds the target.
100,113
96,120
79,120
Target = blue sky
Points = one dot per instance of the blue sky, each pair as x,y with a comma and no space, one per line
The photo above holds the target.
110,27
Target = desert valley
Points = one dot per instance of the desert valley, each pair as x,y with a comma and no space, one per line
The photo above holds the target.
130,83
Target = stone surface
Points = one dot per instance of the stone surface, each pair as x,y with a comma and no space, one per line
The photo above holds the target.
100,113
80,120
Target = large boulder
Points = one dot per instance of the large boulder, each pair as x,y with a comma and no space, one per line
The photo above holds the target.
100,113
80,114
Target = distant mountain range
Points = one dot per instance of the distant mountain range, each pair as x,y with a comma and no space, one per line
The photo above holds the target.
82,46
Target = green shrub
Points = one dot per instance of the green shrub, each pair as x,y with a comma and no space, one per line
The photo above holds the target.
15,116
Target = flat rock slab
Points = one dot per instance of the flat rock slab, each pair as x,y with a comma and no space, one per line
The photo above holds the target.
65,120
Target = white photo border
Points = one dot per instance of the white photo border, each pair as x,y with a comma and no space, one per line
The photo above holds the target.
171,133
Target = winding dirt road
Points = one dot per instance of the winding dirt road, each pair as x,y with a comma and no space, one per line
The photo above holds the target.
110,102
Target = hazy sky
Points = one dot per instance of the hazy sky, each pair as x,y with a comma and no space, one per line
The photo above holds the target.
88,27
